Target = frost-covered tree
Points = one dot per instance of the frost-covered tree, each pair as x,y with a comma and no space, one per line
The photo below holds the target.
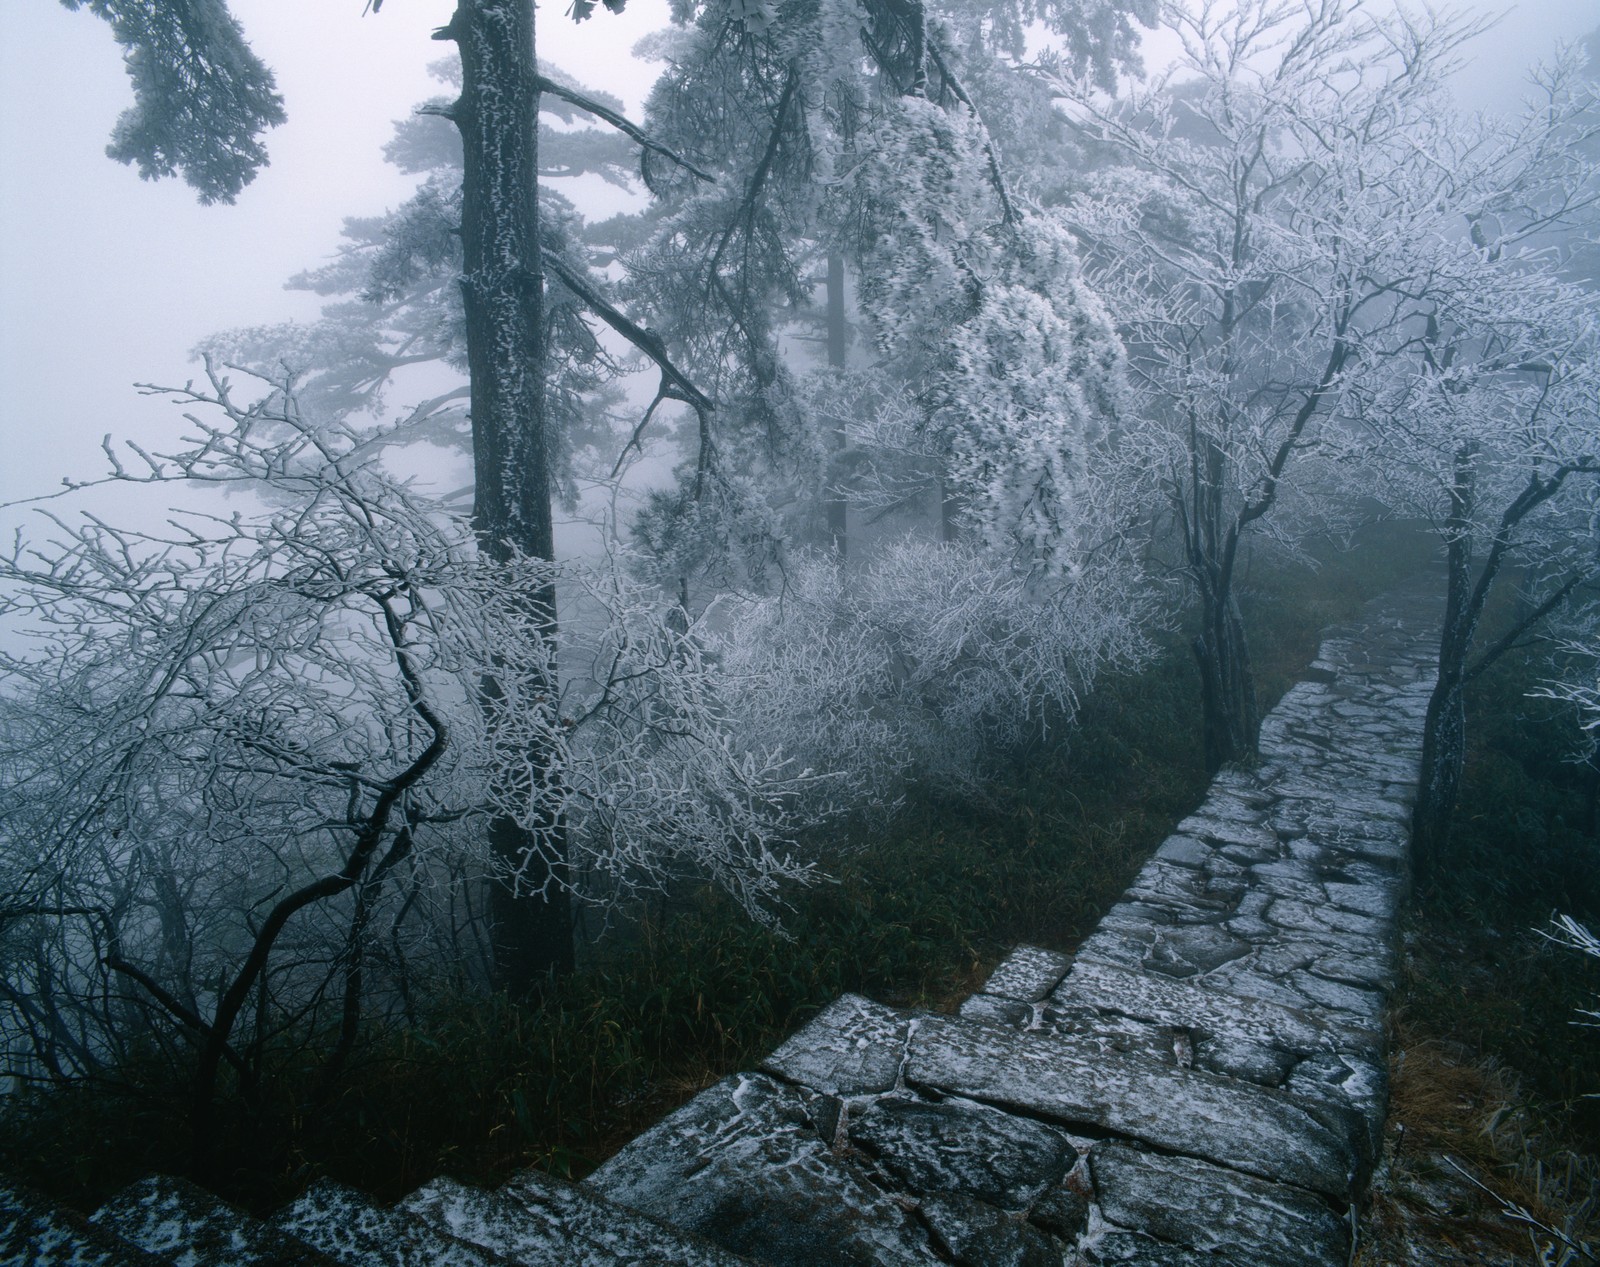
921,667
845,140
502,270
201,98
1484,419
251,771
1256,236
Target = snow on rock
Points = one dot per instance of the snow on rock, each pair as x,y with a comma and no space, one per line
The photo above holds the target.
853,1046
172,1218
957,1146
1160,999
1209,1208
349,1228
977,1235
36,1233
1027,974
1229,1122
743,1164
535,1219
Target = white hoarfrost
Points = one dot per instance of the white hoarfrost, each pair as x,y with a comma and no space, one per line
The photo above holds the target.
307,710
922,662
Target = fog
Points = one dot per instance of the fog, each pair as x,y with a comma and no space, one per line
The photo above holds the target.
110,280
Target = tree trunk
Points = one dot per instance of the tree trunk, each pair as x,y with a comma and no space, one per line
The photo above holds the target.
502,288
837,507
1443,759
1444,730
1230,717
1230,721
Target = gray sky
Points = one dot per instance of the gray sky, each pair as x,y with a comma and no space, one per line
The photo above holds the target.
106,279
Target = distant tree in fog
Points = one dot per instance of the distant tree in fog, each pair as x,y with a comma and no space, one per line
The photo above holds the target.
201,98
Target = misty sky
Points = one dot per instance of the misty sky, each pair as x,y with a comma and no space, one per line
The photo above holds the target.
106,279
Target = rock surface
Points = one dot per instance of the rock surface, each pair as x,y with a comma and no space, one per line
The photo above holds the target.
1200,1083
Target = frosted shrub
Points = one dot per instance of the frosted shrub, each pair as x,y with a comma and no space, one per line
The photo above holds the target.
925,665
249,763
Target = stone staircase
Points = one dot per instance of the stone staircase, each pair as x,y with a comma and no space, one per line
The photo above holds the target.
1202,1084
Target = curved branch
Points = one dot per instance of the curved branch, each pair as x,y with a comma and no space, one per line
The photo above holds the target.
629,129
647,341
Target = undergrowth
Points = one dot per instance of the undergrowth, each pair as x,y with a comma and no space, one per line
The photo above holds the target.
915,915
1491,1072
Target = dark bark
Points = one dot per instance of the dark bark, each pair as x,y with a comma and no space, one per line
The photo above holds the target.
836,506
1466,595
502,287
1230,722
1444,729
1230,715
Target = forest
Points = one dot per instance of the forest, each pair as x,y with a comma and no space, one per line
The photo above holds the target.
591,645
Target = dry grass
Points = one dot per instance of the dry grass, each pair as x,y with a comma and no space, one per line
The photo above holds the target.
1475,1173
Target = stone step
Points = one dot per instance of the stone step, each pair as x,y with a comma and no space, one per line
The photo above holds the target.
751,1164
536,1219
174,1219
1217,1118
36,1232
1214,1210
346,1226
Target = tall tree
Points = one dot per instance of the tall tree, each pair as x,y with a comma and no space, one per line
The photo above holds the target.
810,114
1485,424
502,285
502,290
1253,240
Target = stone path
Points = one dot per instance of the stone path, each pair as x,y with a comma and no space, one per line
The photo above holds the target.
1201,1085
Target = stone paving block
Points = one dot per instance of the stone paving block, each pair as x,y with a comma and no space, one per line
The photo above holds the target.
1106,1031
1377,898
1186,851
1027,974
1373,970
1353,1002
1327,919
1132,1249
972,1234
1216,1210
1063,1209
1241,980
1348,1081
171,1217
535,1219
1189,1005
1162,882
743,1165
349,1228
959,1146
1250,839
1235,1058
852,1047
35,1232
993,1011
1256,1130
